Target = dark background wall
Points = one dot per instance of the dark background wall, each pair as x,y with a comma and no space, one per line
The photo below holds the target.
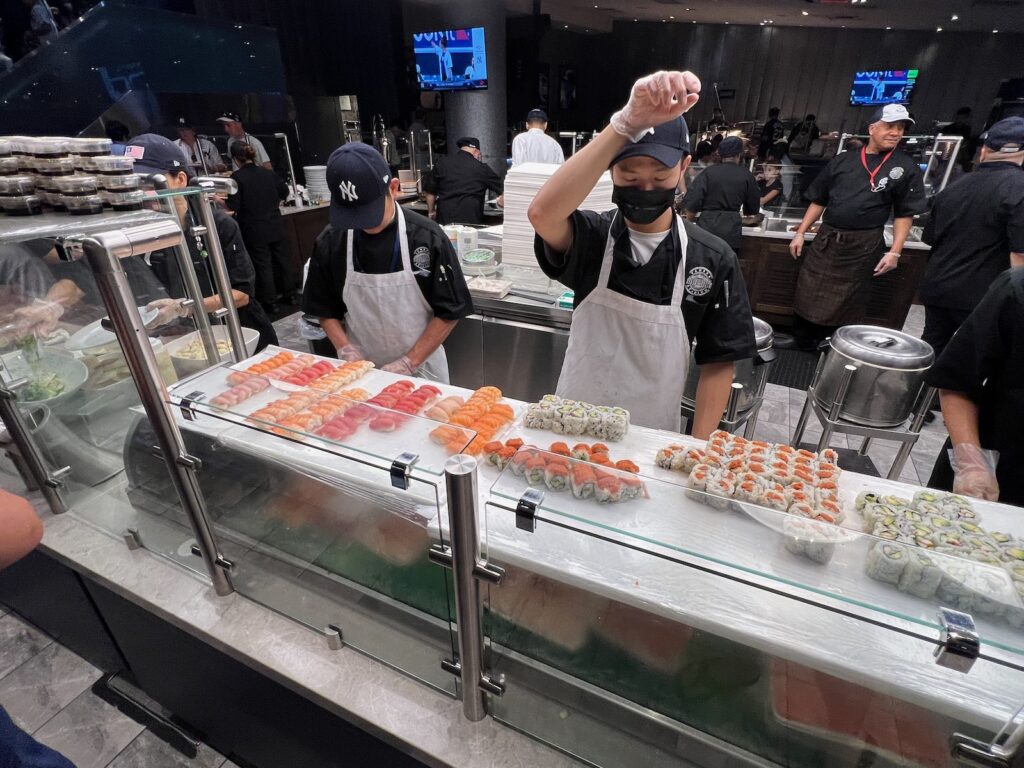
800,70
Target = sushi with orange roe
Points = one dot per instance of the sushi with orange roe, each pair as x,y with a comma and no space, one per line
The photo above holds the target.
556,476
504,456
515,442
627,466
583,480
601,459
519,461
535,469
599,448
608,489
553,458
561,449
632,488
581,451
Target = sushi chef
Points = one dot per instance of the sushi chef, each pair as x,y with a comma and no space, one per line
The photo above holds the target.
721,191
646,283
980,378
384,282
857,192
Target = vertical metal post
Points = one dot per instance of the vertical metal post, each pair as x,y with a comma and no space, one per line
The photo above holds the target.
31,458
865,444
762,384
460,482
805,413
923,404
733,406
190,281
218,267
837,406
288,156
113,286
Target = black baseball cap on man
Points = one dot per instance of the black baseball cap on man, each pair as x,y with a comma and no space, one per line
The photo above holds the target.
537,114
1007,135
229,117
184,122
358,177
730,147
667,143
156,154
468,141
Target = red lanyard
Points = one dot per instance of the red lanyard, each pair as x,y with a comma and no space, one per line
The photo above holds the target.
872,174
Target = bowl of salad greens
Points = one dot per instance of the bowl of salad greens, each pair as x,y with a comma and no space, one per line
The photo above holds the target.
51,377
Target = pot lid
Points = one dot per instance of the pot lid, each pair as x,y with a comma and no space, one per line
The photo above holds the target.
883,347
763,334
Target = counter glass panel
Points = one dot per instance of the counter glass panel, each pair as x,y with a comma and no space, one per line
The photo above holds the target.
621,626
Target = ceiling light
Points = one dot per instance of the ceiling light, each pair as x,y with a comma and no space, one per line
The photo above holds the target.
727,22
994,31
804,13
671,17
938,29
762,23
888,27
954,17
566,26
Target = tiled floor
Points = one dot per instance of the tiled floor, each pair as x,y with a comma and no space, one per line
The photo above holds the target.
47,691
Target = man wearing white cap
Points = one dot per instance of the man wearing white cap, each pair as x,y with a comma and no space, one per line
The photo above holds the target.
857,192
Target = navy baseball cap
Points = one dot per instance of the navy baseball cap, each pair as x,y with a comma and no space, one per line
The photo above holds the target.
156,154
667,143
1007,135
183,122
730,147
229,117
468,141
358,178
537,114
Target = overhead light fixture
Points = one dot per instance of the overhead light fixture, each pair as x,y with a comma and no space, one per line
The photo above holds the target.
994,31
938,29
804,13
671,17
954,17
566,26
888,27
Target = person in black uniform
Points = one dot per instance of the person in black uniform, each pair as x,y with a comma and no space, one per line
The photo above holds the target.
976,230
980,378
458,184
257,207
156,154
645,281
385,283
771,134
719,193
857,192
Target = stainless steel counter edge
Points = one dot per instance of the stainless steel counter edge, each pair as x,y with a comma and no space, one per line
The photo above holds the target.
366,693
914,245
288,210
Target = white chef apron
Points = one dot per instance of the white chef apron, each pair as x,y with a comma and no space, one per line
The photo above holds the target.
627,352
387,314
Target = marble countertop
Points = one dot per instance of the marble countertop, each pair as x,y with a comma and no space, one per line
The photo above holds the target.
376,698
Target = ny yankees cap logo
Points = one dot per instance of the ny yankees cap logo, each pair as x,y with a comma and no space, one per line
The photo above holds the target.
347,190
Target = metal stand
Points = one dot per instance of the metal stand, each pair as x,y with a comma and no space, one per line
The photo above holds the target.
831,423
463,557
213,185
30,460
103,253
734,419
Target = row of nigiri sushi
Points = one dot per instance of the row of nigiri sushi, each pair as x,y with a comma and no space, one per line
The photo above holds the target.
244,387
561,473
272,363
342,376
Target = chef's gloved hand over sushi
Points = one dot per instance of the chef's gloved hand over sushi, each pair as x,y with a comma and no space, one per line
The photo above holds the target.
974,472
382,280
167,311
350,353
646,283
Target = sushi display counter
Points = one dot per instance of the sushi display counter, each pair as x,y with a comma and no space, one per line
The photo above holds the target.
653,610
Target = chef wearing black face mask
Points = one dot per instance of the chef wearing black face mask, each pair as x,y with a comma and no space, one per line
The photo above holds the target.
646,282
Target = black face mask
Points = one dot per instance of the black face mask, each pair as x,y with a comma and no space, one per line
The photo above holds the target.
642,206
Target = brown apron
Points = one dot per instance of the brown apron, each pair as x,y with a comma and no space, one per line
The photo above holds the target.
835,275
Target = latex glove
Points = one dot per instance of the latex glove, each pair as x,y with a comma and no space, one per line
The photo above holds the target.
974,472
350,353
168,310
888,263
402,365
39,318
796,245
656,99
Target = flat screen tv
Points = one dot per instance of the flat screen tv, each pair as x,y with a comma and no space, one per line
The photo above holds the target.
451,59
894,86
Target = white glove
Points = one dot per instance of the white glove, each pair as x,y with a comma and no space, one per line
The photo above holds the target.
656,99
402,366
974,472
39,318
350,353
168,310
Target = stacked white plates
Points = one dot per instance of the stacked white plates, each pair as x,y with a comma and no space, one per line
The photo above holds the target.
521,186
316,182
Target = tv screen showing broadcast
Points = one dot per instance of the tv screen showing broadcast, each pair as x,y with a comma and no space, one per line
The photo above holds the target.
893,86
451,59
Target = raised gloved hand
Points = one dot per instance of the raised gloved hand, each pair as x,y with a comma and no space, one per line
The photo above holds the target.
402,366
167,310
974,472
656,99
38,318
350,353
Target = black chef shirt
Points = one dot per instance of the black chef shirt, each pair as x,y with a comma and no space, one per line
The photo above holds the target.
985,361
433,258
459,181
764,187
241,273
718,317
257,203
724,187
975,223
844,189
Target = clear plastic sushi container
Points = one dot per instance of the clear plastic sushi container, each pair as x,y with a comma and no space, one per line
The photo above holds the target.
126,183
54,166
21,205
10,166
17,185
112,165
90,147
128,200
83,205
50,195
77,185
5,148
48,147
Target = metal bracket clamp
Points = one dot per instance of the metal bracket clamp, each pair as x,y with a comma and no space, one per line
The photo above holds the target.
335,640
401,468
977,753
217,314
526,510
56,478
197,230
485,684
959,645
441,554
187,402
131,538
220,561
